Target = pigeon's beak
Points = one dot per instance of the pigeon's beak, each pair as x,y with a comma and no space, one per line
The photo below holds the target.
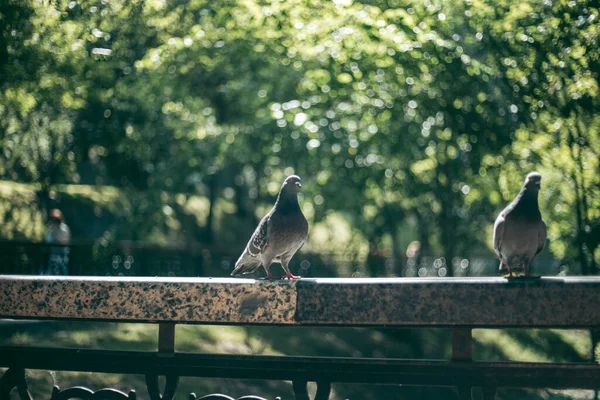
298,185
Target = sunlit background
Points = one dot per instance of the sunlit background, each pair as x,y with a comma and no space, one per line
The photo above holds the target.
163,130
173,124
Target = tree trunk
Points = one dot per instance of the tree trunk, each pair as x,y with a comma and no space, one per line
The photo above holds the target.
397,259
241,206
396,255
449,246
423,239
579,128
374,260
43,200
447,222
212,198
578,214
448,227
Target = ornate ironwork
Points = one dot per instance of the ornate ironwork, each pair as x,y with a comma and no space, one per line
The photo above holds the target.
14,377
153,387
462,374
301,391
224,397
83,393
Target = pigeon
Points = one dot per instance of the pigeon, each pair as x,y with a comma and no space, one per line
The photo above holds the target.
519,231
279,235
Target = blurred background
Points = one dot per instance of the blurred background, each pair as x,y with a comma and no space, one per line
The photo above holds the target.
169,127
162,131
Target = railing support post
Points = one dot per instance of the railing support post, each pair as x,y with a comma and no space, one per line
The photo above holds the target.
14,377
323,390
489,392
462,344
166,347
300,390
166,338
464,392
462,350
154,390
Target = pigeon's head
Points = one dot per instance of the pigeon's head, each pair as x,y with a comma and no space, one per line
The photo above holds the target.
533,181
292,184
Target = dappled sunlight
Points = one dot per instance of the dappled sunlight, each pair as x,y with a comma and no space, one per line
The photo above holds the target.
408,122
532,345
489,345
20,219
151,138
334,236
113,336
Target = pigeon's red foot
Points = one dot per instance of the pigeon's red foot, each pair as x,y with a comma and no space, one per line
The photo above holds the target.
291,276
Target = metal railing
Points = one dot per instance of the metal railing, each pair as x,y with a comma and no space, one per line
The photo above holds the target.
461,304
131,258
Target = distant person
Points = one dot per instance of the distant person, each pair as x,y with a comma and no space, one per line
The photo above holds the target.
58,234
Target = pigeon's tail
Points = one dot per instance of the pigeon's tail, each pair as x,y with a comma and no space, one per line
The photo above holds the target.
503,269
246,264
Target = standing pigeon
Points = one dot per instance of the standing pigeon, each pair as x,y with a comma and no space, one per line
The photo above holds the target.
279,234
519,231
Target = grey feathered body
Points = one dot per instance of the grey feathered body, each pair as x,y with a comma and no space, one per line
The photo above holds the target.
519,234
279,235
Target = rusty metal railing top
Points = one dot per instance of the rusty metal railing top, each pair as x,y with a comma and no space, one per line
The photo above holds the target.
567,302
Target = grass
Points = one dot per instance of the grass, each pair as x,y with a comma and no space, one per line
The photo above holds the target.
490,345
533,345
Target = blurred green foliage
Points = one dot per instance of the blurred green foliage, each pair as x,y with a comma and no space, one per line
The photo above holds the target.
410,120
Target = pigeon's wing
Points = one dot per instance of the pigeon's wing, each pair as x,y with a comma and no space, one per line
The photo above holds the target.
498,234
542,234
298,236
260,238
249,260
305,232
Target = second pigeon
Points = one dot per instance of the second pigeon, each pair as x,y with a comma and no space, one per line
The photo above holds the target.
519,231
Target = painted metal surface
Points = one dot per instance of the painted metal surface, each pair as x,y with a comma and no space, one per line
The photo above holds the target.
453,302
460,303
302,369
177,300
471,302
